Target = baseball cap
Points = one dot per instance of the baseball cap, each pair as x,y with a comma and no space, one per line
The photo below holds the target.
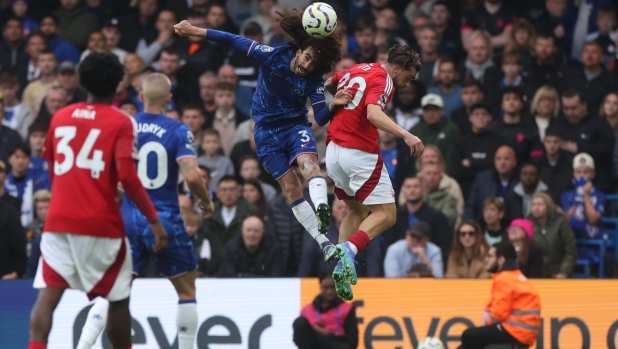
481,105
419,229
66,66
583,159
112,22
2,166
432,99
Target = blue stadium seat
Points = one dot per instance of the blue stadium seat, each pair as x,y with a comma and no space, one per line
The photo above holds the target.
597,246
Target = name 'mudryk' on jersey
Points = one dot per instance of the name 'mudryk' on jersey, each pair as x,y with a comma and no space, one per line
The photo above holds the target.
161,143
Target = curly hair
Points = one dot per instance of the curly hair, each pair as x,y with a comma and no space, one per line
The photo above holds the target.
100,74
328,49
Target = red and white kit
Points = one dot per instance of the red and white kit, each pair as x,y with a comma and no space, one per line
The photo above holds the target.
353,157
84,245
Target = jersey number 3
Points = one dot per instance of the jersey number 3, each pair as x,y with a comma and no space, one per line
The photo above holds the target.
348,83
95,164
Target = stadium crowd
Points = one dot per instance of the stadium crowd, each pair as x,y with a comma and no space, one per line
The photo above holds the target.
516,102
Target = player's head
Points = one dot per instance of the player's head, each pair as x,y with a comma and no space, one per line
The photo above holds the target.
402,65
314,56
156,91
100,73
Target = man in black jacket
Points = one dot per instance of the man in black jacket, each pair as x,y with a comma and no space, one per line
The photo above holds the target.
12,244
136,26
544,70
518,202
415,209
13,54
583,132
471,94
474,152
556,166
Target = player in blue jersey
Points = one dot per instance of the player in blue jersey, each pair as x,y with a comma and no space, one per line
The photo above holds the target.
165,147
289,76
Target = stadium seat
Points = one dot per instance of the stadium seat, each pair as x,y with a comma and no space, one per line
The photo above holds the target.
585,264
609,232
598,255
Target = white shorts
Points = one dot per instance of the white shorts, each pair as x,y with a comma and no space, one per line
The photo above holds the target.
96,265
359,175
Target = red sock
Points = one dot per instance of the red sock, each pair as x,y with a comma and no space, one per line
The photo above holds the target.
36,345
360,239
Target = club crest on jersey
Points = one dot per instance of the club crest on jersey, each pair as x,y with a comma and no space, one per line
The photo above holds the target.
190,137
264,48
298,91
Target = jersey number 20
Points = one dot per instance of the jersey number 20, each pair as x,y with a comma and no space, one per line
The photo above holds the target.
347,83
142,165
95,165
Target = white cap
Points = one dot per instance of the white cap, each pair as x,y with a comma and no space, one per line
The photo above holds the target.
583,159
432,99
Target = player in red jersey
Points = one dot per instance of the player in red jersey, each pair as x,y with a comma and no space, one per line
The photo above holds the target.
353,156
90,147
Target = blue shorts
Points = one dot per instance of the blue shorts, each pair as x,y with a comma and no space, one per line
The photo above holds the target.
177,259
278,147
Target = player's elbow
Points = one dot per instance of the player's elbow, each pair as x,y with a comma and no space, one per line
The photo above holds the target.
193,178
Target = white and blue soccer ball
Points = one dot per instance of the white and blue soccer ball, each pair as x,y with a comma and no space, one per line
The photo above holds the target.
319,20
430,343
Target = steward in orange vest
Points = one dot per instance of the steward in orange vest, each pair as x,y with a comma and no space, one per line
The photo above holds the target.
513,314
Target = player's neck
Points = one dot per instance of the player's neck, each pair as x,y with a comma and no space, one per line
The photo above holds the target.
100,100
152,109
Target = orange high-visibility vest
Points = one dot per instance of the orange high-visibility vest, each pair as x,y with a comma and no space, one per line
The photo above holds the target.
515,305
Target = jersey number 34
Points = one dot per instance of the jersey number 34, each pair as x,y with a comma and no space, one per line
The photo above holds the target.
95,164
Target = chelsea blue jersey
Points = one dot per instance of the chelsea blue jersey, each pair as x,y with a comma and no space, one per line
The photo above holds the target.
161,143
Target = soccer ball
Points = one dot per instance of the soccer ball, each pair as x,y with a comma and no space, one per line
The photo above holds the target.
319,20
430,343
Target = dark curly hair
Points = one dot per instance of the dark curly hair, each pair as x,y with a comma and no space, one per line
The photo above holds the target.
328,49
100,73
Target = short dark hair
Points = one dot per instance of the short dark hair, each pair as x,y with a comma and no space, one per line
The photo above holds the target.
128,101
195,14
606,11
530,163
225,86
37,127
100,73
205,168
22,147
405,57
546,35
49,51
15,19
422,269
38,33
215,4
248,157
511,57
505,249
228,178
211,132
572,92
552,132
446,60
469,82
441,3
171,51
9,78
192,106
513,90
365,23
53,18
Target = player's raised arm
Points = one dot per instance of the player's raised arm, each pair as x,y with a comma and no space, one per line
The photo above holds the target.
185,28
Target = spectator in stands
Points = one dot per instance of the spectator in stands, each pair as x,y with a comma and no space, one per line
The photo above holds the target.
207,180
471,93
227,116
518,201
553,237
386,25
36,90
12,243
252,253
530,258
13,54
365,34
407,104
96,43
8,136
474,152
17,116
262,19
201,54
397,159
493,218
35,229
133,65
207,83
243,94
382,55
250,170
479,64
193,117
584,132
75,22
246,69
434,128
169,63
68,80
556,166
164,25
212,158
35,44
55,100
173,114
64,50
495,182
428,42
494,17
591,78
23,182
605,36
414,210
467,258
438,198
585,205
609,110
112,34
137,25
418,23
207,248
129,106
20,10
312,259
328,322
417,8
36,140
448,88
545,69
511,69
549,20
521,41
252,192
5,198
415,248
514,129
231,210
440,16
545,108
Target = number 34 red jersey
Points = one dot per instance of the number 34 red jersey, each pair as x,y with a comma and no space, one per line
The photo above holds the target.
369,84
82,145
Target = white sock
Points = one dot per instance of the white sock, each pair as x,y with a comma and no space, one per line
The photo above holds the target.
305,216
186,321
353,248
95,323
317,190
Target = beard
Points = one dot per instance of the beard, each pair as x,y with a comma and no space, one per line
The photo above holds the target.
493,268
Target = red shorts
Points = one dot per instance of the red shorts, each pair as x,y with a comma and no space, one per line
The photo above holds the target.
98,266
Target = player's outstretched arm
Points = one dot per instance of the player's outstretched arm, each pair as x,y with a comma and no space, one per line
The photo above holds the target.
184,28
192,175
379,119
323,115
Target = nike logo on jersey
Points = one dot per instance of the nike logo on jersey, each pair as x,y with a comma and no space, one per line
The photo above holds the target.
151,128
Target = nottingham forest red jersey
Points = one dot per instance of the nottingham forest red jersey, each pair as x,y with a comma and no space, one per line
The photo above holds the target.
369,84
82,145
